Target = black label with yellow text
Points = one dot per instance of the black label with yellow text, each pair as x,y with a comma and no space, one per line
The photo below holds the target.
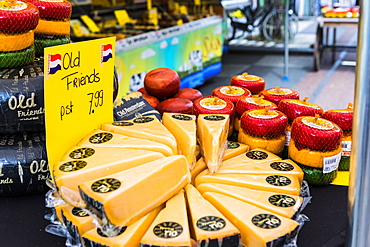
79,212
211,223
282,166
283,201
168,230
122,123
266,221
257,155
278,180
182,117
101,233
105,185
214,118
99,138
73,165
141,120
81,153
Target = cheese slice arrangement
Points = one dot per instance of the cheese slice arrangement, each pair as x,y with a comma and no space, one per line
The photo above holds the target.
183,127
77,221
278,203
127,236
287,184
234,149
212,136
124,197
170,227
146,127
210,227
258,227
101,138
83,164
280,167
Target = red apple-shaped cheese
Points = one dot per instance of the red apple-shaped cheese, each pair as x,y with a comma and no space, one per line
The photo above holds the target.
248,103
188,93
142,90
232,93
253,83
342,117
316,133
153,101
213,105
294,108
264,122
175,105
162,83
276,94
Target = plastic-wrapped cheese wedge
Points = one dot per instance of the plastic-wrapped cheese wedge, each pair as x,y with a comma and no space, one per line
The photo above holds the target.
124,197
288,184
76,221
234,149
258,227
101,138
278,203
281,167
198,168
128,236
210,227
93,163
170,227
146,127
183,127
212,137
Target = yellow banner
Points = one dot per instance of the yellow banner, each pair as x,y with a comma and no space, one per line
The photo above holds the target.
78,87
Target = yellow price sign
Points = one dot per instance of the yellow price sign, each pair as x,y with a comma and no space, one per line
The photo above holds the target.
91,25
78,92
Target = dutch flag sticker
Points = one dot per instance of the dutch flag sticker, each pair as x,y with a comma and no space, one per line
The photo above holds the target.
55,62
106,52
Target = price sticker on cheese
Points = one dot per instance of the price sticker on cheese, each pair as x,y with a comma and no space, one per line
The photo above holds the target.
78,92
331,163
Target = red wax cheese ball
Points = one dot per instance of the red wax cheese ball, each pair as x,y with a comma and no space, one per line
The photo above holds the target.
316,133
188,93
264,122
52,9
342,117
232,93
213,105
162,83
175,105
153,101
142,90
253,83
294,108
276,94
18,17
247,103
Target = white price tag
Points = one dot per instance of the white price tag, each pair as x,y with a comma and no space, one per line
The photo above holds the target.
287,139
346,146
331,163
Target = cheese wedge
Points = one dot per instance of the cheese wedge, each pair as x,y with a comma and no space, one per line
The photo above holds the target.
287,184
101,138
170,227
128,236
235,149
198,168
212,137
183,127
278,203
281,167
208,224
258,227
146,127
98,162
124,197
76,221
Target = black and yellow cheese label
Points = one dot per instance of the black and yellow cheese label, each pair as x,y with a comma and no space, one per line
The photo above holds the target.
257,155
79,212
282,166
122,123
99,138
211,223
182,117
82,153
105,185
214,118
140,120
168,230
72,166
101,233
283,201
266,221
278,180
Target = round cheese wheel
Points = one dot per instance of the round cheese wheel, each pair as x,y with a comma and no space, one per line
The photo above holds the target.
17,58
247,103
232,93
213,105
24,167
53,27
253,83
53,9
342,117
274,145
316,133
264,122
294,108
22,98
315,176
42,41
18,16
16,41
309,157
276,94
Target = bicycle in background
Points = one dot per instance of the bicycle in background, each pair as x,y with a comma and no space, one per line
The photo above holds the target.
268,19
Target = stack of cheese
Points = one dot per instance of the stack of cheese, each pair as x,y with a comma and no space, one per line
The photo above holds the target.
17,21
143,183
